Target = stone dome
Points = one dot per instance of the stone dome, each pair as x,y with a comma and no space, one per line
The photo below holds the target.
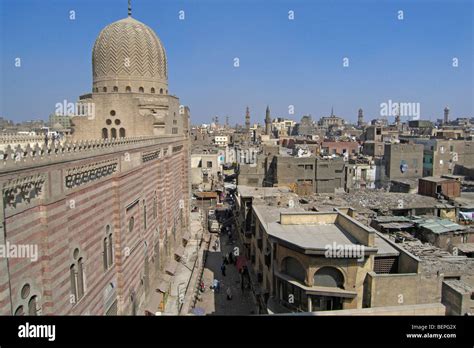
128,57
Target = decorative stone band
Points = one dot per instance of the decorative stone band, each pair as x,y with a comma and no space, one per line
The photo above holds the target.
149,156
82,175
18,157
21,190
177,148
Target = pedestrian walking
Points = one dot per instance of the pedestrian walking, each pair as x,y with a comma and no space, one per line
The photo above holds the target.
216,285
223,270
229,293
202,287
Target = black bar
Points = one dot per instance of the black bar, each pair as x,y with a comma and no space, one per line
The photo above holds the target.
243,330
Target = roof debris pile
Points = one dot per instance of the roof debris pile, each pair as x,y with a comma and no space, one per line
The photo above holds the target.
436,260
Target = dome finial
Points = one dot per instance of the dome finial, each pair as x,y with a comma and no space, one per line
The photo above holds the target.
130,8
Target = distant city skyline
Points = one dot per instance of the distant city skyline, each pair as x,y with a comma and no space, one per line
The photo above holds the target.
284,63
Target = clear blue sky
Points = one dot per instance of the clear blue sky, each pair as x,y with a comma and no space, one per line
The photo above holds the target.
282,62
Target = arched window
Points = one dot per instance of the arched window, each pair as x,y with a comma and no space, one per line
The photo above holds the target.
80,278
27,301
113,133
108,258
105,133
141,90
19,311
161,90
105,255
73,275
76,273
293,268
25,291
32,310
104,89
115,89
329,276
122,132
111,250
152,89
128,89
144,215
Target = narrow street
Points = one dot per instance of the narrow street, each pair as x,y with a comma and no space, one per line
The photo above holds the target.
214,303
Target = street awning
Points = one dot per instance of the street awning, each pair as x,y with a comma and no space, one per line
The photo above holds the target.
164,283
154,303
206,195
171,267
179,251
187,236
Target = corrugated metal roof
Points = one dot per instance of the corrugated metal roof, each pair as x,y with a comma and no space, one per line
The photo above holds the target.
397,225
390,218
440,225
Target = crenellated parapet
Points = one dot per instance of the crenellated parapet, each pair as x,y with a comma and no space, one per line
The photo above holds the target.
16,157
20,138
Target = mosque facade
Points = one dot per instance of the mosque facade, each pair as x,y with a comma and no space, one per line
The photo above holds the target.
88,225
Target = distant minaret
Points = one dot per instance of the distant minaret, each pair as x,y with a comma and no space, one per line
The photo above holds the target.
397,118
247,119
360,118
332,111
446,115
268,122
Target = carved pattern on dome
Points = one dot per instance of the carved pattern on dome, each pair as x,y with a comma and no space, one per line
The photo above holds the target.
130,39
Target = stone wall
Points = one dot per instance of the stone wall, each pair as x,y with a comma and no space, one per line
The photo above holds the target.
63,198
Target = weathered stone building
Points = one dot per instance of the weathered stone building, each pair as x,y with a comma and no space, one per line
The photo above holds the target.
293,254
441,157
307,174
105,210
403,161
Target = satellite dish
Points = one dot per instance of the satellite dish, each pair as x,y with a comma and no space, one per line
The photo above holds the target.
291,203
403,167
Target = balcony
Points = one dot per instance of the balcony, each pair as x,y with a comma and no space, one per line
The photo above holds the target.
268,260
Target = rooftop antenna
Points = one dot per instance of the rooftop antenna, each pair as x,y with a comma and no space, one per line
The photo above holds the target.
130,8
